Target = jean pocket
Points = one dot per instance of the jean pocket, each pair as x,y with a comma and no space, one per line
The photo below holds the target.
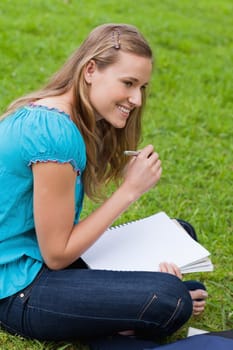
161,313
174,313
152,300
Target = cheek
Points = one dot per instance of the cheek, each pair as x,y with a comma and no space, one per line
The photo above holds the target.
99,101
94,96
101,96
105,92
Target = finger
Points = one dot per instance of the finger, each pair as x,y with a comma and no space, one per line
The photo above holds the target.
198,310
199,294
146,151
132,160
154,161
157,167
156,173
198,304
153,158
197,307
162,267
170,268
176,270
196,313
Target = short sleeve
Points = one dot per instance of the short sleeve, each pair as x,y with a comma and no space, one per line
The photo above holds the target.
48,135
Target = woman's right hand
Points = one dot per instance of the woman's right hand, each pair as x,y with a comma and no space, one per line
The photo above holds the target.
142,172
61,241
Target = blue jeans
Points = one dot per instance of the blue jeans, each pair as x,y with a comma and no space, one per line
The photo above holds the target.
78,303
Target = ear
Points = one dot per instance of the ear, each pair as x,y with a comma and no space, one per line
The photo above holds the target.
89,69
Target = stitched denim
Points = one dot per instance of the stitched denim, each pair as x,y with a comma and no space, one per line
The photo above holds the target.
80,303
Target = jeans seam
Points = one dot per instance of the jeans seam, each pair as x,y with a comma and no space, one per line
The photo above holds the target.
12,330
80,316
154,297
173,314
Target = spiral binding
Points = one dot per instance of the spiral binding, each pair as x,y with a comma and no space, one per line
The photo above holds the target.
124,224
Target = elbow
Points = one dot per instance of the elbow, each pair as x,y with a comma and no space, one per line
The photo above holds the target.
58,259
54,266
56,263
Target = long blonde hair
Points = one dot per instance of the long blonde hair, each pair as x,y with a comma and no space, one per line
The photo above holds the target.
104,143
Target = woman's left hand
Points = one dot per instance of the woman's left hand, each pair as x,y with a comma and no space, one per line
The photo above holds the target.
170,268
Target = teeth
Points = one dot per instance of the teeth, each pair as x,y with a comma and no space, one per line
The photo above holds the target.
124,109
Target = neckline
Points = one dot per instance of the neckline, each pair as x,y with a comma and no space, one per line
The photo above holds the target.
55,109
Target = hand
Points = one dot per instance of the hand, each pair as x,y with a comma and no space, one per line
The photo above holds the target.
142,172
199,297
170,268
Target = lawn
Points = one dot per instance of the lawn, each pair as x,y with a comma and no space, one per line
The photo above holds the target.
188,117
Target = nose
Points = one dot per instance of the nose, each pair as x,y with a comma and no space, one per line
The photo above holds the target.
135,98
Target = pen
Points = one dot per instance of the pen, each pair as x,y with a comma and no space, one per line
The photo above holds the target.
131,153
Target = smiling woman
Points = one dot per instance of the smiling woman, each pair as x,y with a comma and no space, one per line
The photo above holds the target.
72,134
122,82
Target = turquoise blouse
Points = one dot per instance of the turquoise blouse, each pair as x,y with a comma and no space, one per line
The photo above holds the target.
31,134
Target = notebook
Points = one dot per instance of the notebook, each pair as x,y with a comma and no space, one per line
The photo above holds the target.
142,244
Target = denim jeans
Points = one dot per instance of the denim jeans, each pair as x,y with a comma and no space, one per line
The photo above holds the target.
78,303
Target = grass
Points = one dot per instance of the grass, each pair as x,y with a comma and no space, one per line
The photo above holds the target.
188,116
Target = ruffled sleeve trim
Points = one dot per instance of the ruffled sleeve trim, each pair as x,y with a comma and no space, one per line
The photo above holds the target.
61,161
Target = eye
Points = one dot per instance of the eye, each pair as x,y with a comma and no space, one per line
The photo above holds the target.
128,83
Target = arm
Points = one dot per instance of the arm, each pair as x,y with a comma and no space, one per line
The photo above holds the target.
60,241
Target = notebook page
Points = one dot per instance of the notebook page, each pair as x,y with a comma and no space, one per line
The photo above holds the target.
141,245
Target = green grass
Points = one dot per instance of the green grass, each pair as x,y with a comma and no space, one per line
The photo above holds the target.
188,117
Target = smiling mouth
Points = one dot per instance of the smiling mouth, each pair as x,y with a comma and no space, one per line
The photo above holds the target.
124,110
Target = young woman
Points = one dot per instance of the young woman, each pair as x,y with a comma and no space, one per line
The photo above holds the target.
57,143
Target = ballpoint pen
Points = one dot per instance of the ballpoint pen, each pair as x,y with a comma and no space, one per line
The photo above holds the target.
131,153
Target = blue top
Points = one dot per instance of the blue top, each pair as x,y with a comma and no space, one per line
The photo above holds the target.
31,134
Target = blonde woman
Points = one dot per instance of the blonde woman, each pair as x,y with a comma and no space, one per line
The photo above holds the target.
56,144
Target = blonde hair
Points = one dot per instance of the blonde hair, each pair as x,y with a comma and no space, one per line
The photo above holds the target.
104,143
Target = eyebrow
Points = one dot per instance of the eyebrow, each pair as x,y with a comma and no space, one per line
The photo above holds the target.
136,80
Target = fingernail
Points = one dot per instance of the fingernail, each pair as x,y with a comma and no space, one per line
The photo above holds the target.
205,294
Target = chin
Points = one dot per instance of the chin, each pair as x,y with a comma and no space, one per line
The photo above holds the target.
119,126
119,123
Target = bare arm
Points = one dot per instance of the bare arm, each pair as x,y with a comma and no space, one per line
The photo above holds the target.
61,242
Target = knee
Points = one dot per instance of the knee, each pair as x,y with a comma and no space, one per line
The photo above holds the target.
177,304
169,305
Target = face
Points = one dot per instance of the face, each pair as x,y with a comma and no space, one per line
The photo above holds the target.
116,90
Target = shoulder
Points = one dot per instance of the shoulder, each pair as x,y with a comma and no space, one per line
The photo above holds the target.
49,134
45,119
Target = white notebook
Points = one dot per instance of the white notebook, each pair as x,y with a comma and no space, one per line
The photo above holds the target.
142,244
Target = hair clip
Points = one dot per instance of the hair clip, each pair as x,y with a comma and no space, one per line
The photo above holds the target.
116,38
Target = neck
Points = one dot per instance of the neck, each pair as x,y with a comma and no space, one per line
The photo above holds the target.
66,101
63,102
